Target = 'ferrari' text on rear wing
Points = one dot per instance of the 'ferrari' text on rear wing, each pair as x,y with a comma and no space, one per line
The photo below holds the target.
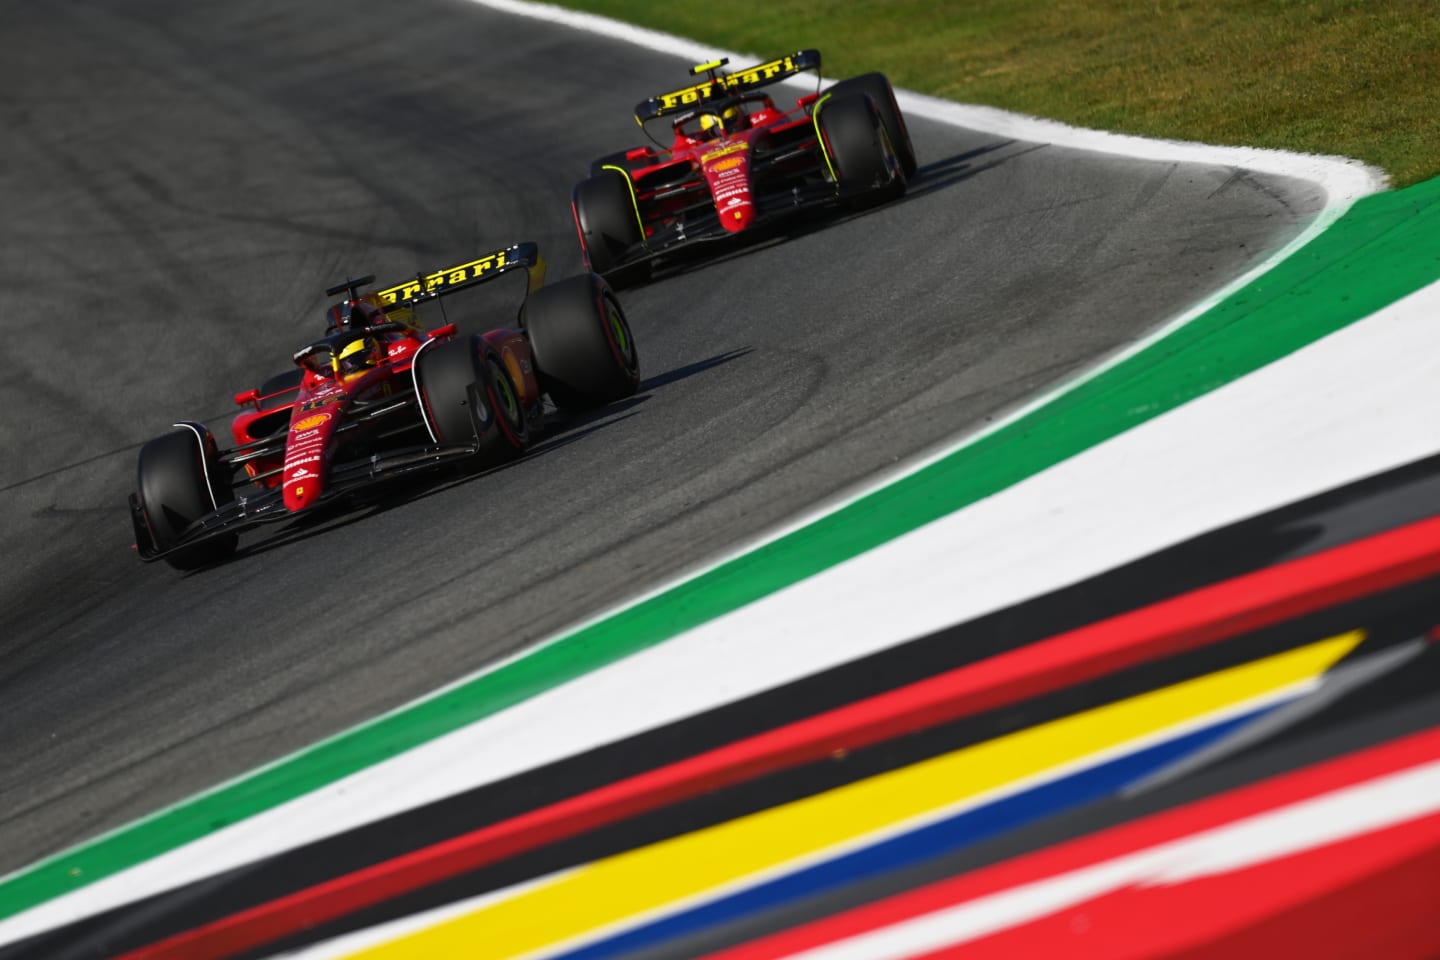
725,84
452,279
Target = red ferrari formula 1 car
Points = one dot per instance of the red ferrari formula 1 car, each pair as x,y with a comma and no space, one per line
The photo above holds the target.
378,397
738,160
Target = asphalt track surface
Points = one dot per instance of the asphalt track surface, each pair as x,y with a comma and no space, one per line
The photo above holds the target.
180,182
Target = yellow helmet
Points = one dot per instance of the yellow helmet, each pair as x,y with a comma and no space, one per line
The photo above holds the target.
355,357
729,120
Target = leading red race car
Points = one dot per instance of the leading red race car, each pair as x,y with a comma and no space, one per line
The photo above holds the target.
378,397
737,160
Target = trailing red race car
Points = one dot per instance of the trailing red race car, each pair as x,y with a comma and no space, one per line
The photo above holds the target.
378,397
736,160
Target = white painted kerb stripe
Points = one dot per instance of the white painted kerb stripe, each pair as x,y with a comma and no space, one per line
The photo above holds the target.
388,932
451,763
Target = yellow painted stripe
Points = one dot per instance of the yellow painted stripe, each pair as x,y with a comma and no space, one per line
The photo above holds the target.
620,888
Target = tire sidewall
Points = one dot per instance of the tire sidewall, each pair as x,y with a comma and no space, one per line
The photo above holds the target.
585,352
877,86
605,219
179,480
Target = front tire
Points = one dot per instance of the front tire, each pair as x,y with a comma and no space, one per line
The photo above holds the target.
606,219
584,352
860,151
877,87
464,390
179,481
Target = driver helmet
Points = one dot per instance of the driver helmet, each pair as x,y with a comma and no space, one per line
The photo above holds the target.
731,119
356,357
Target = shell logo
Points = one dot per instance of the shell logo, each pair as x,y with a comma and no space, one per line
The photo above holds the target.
311,422
729,163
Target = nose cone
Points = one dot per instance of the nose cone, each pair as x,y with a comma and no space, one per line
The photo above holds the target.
301,494
738,217
305,457
728,171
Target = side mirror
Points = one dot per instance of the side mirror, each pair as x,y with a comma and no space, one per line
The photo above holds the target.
807,101
251,396
639,153
315,358
440,333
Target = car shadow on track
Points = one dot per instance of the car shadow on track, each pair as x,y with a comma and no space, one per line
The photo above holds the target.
690,369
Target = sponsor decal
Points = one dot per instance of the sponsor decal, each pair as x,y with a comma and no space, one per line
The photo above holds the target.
761,73
309,423
315,403
302,474
448,277
299,491
727,164
738,147
735,201
687,97
753,76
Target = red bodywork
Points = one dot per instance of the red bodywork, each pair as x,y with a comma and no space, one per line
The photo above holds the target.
318,415
716,167
735,160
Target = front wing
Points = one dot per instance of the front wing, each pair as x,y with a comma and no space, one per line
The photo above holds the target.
268,505
700,223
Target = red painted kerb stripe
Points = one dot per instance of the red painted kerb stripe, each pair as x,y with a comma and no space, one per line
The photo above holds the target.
1374,867
1204,616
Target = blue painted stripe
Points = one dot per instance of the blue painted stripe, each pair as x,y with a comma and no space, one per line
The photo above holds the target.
908,849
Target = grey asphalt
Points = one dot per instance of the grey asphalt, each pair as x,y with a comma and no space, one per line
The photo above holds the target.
180,181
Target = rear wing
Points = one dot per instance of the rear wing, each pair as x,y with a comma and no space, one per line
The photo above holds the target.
722,85
426,286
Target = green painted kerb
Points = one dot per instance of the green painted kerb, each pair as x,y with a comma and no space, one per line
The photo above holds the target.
1387,246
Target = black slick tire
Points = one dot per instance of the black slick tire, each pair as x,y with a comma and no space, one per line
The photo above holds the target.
859,150
462,404
179,481
606,219
584,352
877,87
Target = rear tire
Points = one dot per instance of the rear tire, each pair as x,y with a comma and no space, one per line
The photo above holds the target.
606,219
860,150
877,87
463,402
584,352
171,476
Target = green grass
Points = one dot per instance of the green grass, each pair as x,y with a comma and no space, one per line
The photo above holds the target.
1351,77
